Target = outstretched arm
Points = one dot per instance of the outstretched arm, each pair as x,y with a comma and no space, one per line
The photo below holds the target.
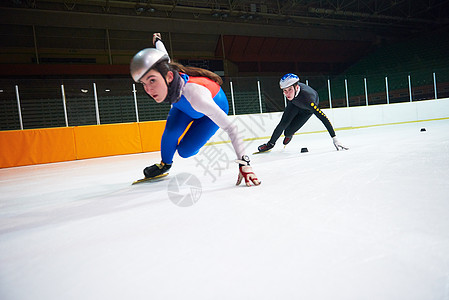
323,118
201,100
320,115
157,42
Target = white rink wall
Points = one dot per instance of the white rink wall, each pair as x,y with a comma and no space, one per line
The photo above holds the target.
261,126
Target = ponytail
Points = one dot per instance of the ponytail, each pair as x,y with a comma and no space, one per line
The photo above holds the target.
197,72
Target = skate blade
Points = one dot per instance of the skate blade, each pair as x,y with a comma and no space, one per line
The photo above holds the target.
150,179
261,152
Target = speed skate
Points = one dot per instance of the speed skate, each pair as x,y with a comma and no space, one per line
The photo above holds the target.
150,179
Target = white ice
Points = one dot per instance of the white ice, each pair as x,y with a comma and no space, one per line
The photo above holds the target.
368,223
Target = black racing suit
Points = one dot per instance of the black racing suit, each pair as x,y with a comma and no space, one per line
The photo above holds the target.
298,111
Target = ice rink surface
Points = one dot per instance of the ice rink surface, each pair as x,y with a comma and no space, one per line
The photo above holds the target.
368,223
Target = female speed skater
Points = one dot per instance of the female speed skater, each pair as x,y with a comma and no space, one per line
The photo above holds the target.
196,97
302,103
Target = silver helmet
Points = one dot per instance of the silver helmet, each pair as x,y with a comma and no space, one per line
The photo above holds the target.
144,60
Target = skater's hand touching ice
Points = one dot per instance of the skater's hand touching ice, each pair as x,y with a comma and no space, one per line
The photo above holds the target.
339,145
246,172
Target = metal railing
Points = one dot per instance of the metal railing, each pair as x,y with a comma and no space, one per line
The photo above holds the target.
29,104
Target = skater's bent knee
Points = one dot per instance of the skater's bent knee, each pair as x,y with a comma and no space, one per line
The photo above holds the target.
185,153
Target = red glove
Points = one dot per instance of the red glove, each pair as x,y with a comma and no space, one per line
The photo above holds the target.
245,171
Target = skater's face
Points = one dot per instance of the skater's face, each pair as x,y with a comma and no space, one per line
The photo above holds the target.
154,84
290,92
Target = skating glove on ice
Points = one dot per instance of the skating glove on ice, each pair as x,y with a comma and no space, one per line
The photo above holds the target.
246,172
339,145
156,169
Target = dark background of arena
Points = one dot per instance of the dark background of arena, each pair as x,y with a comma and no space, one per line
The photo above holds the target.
45,44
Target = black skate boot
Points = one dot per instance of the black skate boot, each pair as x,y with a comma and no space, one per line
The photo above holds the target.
265,147
156,169
287,140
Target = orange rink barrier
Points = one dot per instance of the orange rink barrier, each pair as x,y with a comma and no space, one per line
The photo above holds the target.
106,140
37,146
151,134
